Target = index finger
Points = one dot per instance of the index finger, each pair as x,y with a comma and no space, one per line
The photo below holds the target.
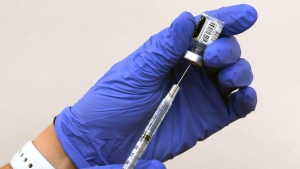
237,18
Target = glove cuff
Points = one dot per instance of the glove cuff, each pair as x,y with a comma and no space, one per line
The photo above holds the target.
66,136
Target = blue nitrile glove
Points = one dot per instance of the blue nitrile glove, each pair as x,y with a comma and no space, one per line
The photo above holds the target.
143,164
103,127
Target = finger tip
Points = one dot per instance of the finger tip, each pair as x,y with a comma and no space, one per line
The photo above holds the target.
182,29
242,19
184,22
237,18
247,98
250,14
241,103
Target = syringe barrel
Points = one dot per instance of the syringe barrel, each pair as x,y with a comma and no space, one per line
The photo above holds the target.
151,128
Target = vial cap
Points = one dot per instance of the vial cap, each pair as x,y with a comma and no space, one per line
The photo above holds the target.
193,58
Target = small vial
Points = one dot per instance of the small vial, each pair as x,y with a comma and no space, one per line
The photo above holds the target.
207,31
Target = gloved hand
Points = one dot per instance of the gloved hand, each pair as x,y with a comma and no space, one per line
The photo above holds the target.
104,125
144,164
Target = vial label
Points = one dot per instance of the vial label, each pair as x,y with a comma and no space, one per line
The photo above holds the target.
208,30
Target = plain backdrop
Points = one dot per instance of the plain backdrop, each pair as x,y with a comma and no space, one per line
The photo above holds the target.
53,51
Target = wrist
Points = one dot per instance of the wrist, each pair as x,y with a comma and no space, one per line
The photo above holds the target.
29,157
51,149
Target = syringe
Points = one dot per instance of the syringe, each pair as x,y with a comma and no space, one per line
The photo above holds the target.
153,125
207,31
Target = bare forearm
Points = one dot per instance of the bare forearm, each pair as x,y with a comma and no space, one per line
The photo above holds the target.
49,146
7,166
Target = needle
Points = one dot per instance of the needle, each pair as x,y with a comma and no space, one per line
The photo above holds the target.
184,74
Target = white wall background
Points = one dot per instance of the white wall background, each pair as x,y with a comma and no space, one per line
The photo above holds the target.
52,51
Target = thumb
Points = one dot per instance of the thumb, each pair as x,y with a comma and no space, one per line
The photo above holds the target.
142,164
164,50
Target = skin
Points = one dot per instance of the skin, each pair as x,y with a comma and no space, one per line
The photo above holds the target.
49,146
